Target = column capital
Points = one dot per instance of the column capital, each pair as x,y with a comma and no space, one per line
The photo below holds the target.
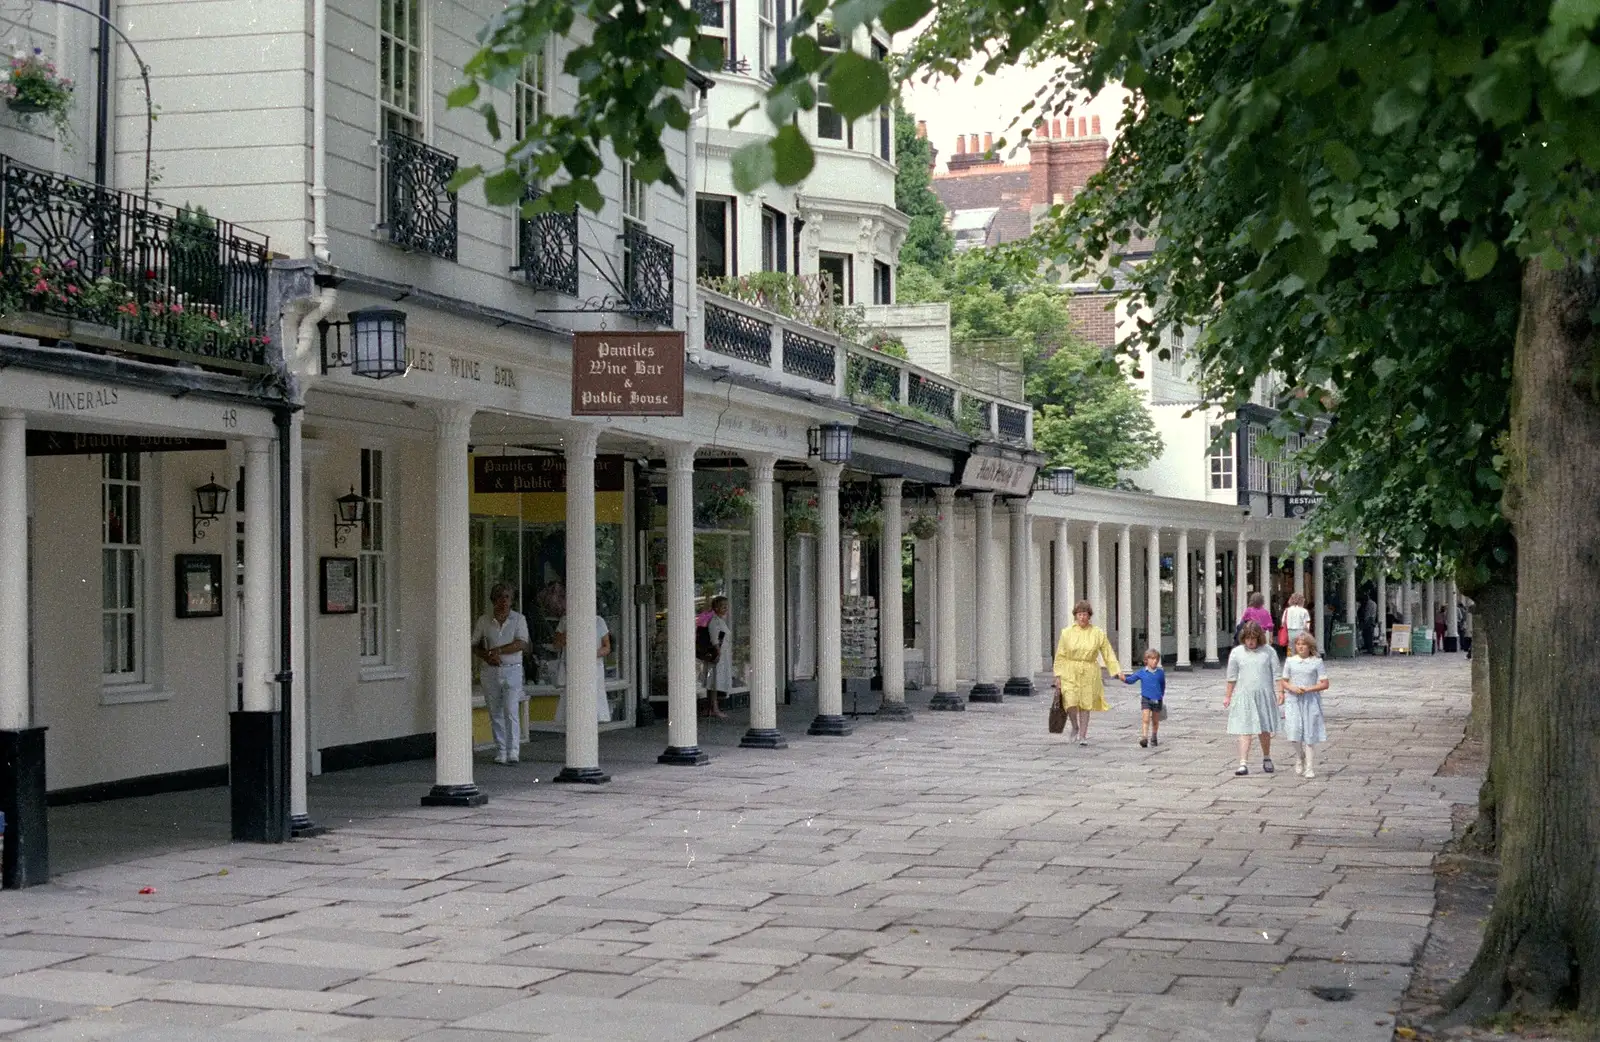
762,465
1019,504
454,421
892,487
828,474
1127,530
945,495
580,439
679,455
258,445
13,415
984,500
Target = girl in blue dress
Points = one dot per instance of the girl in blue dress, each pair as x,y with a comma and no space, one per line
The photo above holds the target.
1305,678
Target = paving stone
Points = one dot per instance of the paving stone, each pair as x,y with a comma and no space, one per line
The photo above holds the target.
451,1004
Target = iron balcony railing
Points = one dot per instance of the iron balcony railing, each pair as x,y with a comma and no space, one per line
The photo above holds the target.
547,249
419,211
647,274
114,271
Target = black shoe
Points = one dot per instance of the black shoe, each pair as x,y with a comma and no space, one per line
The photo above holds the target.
1266,765
1144,743
1154,740
1243,770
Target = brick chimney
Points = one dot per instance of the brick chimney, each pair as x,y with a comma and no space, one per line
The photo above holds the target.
973,152
922,128
1058,167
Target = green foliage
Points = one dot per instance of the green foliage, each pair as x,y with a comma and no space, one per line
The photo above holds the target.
1087,416
929,243
804,298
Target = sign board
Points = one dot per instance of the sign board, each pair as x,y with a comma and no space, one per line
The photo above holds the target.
627,374
78,443
1400,639
1300,505
996,474
540,473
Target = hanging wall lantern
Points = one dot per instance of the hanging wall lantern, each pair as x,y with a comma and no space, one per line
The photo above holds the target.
350,512
210,503
831,442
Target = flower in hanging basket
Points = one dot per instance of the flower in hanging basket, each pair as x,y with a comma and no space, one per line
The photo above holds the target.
35,88
865,520
720,504
800,517
923,526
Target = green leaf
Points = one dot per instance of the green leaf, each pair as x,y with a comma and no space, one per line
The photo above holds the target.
900,15
857,85
1478,260
1500,95
753,166
1342,160
1384,367
793,156
1575,14
1577,73
1398,107
463,177
463,95
504,187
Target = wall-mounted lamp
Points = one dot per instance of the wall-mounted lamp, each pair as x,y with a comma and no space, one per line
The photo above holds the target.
831,442
1063,481
351,511
210,503
377,343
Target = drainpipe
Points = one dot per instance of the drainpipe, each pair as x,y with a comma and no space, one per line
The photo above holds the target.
102,99
319,131
691,297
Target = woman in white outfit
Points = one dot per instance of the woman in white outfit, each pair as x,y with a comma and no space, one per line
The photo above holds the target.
498,641
719,674
602,639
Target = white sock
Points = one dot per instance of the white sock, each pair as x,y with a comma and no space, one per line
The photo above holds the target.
1308,748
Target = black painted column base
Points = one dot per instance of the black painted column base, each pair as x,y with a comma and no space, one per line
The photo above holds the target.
1452,644
763,738
985,693
581,776
1212,665
468,795
302,827
258,778
830,726
895,711
26,861
947,702
684,756
1019,687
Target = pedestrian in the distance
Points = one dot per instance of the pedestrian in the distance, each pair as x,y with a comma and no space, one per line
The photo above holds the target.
498,640
1152,681
1252,697
1440,626
1296,619
1079,652
1305,678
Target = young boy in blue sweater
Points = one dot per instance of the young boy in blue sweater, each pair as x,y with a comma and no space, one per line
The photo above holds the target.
1152,680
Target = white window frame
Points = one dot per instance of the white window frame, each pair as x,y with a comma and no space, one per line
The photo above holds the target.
375,597
766,36
130,556
635,198
1220,464
846,138
144,683
531,93
419,118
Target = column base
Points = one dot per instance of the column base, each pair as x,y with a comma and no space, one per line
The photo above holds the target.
26,861
468,795
1183,667
985,693
830,726
257,777
763,738
1019,687
947,702
895,711
1212,665
302,827
684,756
1452,644
581,776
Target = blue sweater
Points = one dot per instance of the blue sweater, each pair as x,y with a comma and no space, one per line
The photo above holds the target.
1152,683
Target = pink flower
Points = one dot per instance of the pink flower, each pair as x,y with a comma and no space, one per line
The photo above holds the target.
73,290
69,265
177,309
41,286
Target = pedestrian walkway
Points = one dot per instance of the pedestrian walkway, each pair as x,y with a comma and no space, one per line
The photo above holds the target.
961,877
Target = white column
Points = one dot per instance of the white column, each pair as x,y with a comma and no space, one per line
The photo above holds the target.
1264,575
1350,589
1065,593
584,667
763,733
1383,601
452,615
1300,574
1406,595
1092,591
1125,595
1152,608
1319,589
1180,598
259,527
15,714
300,823
830,694
1429,604
984,688
1241,578
1212,661
1452,605
945,697
1021,680
683,735
891,606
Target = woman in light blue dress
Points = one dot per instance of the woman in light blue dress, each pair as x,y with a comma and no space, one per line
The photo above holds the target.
1253,698
1305,678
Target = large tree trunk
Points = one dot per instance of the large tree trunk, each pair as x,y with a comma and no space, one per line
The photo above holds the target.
1493,656
1541,946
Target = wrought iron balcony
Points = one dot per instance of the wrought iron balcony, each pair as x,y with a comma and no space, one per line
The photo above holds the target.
1013,423
647,274
419,214
808,357
736,335
547,249
113,271
710,12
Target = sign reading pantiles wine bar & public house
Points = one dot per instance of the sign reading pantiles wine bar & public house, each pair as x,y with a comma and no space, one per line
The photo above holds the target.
627,374
79,443
540,473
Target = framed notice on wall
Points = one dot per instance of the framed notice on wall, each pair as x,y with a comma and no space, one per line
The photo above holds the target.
338,586
198,582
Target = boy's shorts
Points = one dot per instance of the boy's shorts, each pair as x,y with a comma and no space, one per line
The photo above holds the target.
1153,706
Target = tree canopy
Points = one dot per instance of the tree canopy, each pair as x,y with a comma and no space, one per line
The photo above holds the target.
928,242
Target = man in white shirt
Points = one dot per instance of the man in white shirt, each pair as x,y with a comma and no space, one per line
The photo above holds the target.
499,640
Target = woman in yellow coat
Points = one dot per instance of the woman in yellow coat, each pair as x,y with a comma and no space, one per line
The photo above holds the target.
1078,655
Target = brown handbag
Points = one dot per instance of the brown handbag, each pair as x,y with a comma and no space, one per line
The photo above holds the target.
1058,715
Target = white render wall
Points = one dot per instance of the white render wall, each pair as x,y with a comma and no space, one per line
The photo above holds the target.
923,328
66,38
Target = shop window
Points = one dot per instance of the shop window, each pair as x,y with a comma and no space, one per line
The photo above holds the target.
1221,460
837,266
373,567
122,658
774,240
882,283
716,256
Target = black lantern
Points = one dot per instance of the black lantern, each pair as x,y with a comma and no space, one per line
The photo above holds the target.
378,342
831,442
1063,481
352,511
210,503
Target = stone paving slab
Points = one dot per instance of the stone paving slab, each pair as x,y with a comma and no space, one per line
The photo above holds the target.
961,877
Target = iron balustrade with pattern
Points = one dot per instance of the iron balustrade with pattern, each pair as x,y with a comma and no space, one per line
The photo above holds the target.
1013,423
932,397
807,357
547,249
710,12
134,275
648,274
872,378
419,211
736,335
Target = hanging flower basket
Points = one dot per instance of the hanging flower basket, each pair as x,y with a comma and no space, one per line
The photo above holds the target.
866,521
34,88
923,526
26,106
721,505
800,517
